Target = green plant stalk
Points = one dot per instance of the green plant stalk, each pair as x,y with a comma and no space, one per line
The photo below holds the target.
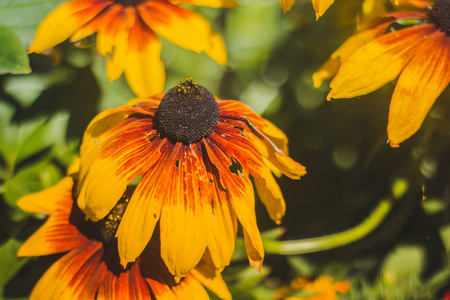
334,240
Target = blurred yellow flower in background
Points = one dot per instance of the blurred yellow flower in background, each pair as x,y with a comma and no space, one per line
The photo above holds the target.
418,53
322,288
195,154
127,33
320,6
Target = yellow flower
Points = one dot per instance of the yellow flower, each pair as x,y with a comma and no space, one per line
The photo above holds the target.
320,6
418,55
127,35
323,288
90,269
195,154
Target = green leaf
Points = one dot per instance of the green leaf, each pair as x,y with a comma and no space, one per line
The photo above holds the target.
9,264
24,16
31,179
13,56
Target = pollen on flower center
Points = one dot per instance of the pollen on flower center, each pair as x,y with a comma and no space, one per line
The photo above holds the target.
108,225
188,112
440,14
128,2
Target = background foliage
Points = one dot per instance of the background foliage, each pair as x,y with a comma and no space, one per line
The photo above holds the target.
272,57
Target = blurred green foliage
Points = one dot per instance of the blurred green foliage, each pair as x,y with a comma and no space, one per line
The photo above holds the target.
271,60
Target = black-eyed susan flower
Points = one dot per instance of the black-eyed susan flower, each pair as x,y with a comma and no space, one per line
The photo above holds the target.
195,155
91,269
127,33
322,288
320,6
413,46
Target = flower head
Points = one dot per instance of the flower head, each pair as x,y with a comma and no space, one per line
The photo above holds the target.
413,46
322,288
127,33
90,269
195,154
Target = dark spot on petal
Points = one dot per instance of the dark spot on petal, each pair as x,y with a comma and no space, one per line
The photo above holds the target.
177,164
236,167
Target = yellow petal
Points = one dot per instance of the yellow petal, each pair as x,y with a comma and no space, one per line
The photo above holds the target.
210,3
376,63
420,83
62,22
286,5
321,6
215,284
217,50
270,194
46,201
331,66
144,69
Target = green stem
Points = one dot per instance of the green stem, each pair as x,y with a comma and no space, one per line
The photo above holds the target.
333,240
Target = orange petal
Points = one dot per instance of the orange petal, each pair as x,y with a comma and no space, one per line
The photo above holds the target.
210,3
187,212
376,63
286,5
109,165
420,83
62,22
331,66
46,201
57,234
73,276
144,208
270,194
321,6
144,69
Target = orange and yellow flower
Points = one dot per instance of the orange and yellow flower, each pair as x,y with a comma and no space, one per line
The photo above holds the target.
195,154
90,269
320,6
127,33
418,54
323,288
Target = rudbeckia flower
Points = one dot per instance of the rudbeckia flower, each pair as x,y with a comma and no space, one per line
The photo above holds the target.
193,155
127,33
413,46
90,269
320,6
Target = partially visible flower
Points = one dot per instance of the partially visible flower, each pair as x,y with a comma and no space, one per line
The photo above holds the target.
323,288
127,33
320,6
413,46
90,269
195,154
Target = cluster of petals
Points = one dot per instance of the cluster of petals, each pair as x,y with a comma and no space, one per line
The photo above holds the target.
194,192
418,55
127,35
90,268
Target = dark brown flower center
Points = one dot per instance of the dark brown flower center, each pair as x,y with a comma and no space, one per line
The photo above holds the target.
440,13
108,225
129,2
187,113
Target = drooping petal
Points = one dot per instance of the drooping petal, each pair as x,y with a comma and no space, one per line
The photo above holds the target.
57,234
240,194
420,83
176,24
109,165
144,69
210,3
331,66
75,276
321,6
270,194
187,212
215,284
62,22
286,5
144,208
377,62
46,201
